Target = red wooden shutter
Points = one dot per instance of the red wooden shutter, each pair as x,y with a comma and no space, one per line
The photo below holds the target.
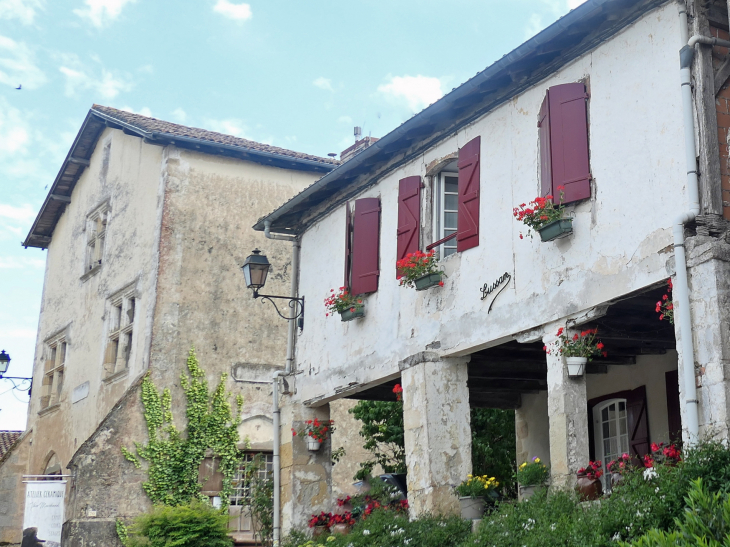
638,423
365,244
570,164
674,417
546,174
468,219
409,217
348,245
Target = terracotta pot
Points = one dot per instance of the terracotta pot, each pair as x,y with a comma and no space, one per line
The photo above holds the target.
472,508
319,531
341,529
588,489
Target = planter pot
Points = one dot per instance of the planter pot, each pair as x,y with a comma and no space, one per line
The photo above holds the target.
616,478
472,508
319,531
341,529
576,365
556,229
313,444
526,492
349,315
428,281
588,489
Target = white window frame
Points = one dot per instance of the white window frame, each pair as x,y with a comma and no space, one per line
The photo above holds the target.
439,211
56,350
598,439
121,314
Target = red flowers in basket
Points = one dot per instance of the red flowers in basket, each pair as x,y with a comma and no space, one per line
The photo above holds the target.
665,307
417,265
540,211
340,301
594,470
319,430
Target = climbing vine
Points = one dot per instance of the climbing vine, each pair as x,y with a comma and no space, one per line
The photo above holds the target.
173,459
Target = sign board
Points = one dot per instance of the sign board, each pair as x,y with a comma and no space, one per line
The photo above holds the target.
44,510
80,392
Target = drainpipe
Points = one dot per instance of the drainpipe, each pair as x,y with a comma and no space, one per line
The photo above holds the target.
275,380
681,288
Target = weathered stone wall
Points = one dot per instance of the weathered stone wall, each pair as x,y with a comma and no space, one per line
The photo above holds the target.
12,491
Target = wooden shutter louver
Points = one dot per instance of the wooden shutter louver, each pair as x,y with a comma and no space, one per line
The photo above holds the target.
348,245
468,218
365,246
409,217
638,423
569,154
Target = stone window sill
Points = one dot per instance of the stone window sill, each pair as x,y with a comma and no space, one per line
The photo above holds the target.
49,409
91,273
116,376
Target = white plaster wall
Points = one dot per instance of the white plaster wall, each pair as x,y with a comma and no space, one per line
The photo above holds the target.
532,428
133,186
620,242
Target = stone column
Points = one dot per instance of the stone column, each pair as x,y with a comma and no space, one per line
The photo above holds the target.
568,418
437,422
708,261
306,477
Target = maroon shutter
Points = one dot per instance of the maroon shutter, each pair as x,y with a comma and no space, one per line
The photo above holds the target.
569,141
365,243
546,174
674,418
348,245
638,423
409,217
468,219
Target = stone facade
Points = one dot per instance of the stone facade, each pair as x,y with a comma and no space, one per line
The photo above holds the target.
12,494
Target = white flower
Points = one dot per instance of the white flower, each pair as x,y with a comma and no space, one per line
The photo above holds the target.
657,490
552,526
616,537
366,532
649,473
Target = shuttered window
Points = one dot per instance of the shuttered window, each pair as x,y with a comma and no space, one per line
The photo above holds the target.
409,217
468,223
365,246
348,246
564,153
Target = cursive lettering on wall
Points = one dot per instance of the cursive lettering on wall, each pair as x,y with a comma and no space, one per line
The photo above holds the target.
500,284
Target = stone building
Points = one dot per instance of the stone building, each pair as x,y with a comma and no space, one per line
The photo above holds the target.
147,225
592,105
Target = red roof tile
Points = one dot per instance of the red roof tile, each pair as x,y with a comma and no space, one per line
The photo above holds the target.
7,440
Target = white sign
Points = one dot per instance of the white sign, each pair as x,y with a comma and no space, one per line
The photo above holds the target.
44,510
80,392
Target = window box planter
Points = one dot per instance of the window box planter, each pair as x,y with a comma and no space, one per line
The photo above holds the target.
472,508
576,366
349,315
428,281
556,229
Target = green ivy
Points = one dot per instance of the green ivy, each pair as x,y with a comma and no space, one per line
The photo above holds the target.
173,459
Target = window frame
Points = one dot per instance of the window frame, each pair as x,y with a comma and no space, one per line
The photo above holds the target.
439,210
96,227
598,438
54,367
120,333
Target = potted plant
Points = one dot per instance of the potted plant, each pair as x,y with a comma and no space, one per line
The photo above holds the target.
320,524
661,453
420,270
618,467
542,215
341,524
578,349
315,432
530,476
473,494
665,307
348,306
589,481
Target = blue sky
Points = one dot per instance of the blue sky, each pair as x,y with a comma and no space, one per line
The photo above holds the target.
298,75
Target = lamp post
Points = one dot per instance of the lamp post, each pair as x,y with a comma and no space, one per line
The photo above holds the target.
4,364
255,270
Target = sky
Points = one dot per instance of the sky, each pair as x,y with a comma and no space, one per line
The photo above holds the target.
298,75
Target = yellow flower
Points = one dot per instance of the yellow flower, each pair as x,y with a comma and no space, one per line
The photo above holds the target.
331,538
537,460
522,466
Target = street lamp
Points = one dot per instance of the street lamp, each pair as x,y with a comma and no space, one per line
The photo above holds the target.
4,364
255,270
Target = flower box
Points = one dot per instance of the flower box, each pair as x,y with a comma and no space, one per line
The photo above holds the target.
556,229
349,315
427,281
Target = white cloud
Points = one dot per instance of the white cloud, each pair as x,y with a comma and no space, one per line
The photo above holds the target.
79,78
418,91
20,262
23,10
23,213
230,126
534,25
144,111
323,83
572,4
344,119
102,12
179,115
17,65
239,12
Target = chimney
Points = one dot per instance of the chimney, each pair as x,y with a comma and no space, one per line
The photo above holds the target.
359,146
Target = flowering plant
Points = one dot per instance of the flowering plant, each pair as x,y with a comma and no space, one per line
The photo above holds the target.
540,211
318,430
344,518
476,486
417,265
579,345
665,307
532,473
340,301
592,470
323,519
398,390
620,464
661,453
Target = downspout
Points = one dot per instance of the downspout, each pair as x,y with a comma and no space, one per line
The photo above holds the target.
275,380
681,287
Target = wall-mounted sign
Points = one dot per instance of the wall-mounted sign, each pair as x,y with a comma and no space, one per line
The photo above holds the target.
80,392
44,510
493,290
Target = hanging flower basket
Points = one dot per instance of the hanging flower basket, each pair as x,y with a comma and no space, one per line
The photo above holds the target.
343,302
577,349
576,366
352,313
428,281
420,270
556,229
313,444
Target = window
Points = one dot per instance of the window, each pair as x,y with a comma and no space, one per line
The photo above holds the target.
96,224
53,371
446,208
612,432
121,328
362,246
241,525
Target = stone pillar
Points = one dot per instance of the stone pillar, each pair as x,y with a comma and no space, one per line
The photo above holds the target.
306,477
437,422
568,418
708,261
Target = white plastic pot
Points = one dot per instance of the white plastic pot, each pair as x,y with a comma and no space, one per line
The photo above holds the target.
313,444
576,366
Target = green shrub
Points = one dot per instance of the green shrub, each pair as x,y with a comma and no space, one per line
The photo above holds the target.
194,525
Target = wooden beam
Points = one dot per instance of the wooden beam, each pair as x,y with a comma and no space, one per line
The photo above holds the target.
496,400
57,197
507,385
722,74
79,161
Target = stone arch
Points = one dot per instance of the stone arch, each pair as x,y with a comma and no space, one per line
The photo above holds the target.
51,465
